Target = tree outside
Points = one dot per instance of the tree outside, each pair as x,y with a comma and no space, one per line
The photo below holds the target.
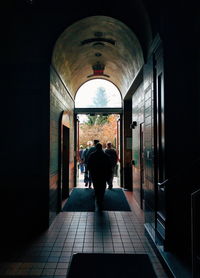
100,99
104,131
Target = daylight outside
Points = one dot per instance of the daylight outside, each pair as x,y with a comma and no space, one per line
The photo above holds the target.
98,93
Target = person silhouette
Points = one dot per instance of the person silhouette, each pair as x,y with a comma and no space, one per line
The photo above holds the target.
90,149
80,159
93,148
87,178
100,169
113,158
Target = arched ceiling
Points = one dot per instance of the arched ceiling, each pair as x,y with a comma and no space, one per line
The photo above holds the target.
102,42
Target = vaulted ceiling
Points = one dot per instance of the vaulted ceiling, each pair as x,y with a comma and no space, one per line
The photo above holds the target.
97,47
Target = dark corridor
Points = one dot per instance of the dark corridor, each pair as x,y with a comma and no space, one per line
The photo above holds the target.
150,51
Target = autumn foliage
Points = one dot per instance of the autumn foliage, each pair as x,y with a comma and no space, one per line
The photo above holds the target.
104,132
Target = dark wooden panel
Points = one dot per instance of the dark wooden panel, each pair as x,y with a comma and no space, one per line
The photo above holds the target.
60,101
138,116
149,189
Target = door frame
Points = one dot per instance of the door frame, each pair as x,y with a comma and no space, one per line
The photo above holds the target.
65,163
64,123
159,143
92,111
142,176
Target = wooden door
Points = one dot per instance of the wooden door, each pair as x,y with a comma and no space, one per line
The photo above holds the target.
159,145
141,165
65,163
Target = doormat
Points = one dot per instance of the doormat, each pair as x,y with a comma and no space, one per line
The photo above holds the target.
110,266
80,199
83,199
115,200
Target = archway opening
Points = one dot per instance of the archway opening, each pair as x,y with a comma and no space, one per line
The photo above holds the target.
92,123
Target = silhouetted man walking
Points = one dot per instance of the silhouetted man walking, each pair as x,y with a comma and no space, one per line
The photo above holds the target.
90,149
111,152
100,169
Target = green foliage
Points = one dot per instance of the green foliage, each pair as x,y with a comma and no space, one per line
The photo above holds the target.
91,120
101,120
96,120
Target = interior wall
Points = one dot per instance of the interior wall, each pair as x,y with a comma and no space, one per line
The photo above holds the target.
24,151
182,129
60,101
143,112
127,139
24,147
138,116
149,188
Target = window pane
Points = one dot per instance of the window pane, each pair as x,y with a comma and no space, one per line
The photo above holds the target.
98,93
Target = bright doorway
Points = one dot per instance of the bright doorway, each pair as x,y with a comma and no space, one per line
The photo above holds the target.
98,110
105,128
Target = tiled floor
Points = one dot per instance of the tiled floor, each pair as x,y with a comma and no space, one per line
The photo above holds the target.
71,232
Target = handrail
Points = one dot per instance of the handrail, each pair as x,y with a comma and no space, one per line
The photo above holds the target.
195,232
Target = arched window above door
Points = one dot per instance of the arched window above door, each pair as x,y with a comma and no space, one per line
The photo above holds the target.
98,93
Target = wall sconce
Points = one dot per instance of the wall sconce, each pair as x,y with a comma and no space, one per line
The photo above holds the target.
133,125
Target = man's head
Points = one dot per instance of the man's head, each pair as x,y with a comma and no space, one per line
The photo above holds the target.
96,141
89,143
109,145
98,146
